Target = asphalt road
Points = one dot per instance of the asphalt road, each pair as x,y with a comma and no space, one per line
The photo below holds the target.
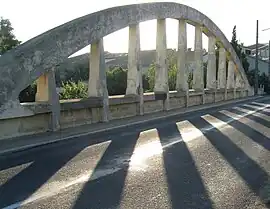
217,158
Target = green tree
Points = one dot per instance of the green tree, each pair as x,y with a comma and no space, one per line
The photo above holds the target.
241,55
7,38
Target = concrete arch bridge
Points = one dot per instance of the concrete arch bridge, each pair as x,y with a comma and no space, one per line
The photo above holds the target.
37,58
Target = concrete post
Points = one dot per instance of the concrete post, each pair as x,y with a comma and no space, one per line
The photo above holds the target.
46,92
97,85
238,78
222,69
134,75
161,77
182,74
238,83
198,53
211,65
42,94
230,78
54,101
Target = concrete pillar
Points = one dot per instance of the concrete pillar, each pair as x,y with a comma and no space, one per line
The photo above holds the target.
134,75
46,92
182,74
238,82
198,56
42,94
54,101
161,76
222,69
230,78
97,85
211,65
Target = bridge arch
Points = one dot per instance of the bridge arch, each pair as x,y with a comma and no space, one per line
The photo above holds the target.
23,65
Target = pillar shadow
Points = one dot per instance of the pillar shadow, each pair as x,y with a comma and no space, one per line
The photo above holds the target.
248,169
186,187
41,152
245,129
44,164
255,109
252,117
106,192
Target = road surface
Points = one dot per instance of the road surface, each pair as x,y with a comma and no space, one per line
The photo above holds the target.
207,159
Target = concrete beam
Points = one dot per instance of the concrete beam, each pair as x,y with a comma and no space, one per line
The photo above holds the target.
97,85
42,94
222,69
182,73
198,72
211,65
134,75
161,76
54,102
238,80
230,78
46,92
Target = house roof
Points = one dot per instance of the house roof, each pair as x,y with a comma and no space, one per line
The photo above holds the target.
253,46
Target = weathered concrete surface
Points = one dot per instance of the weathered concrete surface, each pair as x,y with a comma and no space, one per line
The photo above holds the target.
198,84
134,75
161,88
230,78
211,64
182,74
42,94
222,69
81,112
23,65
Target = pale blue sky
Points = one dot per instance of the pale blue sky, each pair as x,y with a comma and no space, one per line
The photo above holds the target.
31,17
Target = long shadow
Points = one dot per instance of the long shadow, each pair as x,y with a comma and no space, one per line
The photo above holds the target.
185,184
248,169
42,167
106,192
255,109
18,158
245,129
252,117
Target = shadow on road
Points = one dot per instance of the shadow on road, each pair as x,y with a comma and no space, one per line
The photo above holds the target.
255,179
43,165
106,192
185,184
245,129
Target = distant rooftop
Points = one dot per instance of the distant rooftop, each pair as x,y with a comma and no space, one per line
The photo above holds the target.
253,46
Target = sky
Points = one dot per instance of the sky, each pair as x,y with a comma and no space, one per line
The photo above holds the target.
30,18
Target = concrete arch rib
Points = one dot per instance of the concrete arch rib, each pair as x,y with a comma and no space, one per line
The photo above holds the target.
23,65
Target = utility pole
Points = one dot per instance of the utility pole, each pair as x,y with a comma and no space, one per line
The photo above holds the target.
268,83
256,83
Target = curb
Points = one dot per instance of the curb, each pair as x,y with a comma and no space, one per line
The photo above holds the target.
31,146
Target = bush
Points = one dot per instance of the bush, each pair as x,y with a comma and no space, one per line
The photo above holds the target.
73,90
117,81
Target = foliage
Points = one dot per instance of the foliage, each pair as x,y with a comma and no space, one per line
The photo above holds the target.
116,81
73,90
7,38
241,55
